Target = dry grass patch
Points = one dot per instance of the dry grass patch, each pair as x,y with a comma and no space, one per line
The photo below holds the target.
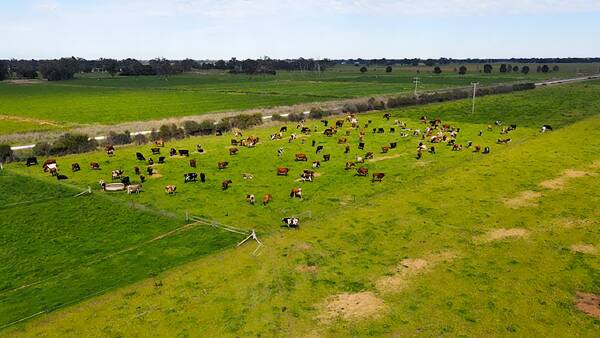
28,120
501,234
561,181
307,269
526,198
570,223
588,303
383,158
584,248
351,306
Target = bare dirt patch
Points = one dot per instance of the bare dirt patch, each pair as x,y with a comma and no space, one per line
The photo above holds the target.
526,198
303,246
584,248
588,303
28,120
155,175
307,269
501,234
383,158
561,181
351,306
24,81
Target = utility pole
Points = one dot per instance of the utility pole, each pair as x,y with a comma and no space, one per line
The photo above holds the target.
416,82
474,92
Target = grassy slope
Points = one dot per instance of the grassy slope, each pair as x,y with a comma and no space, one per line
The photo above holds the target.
353,246
113,100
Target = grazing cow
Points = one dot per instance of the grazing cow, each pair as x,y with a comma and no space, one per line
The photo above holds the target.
477,148
159,143
136,170
140,157
75,167
339,123
380,130
313,143
125,180
346,149
362,171
349,165
498,122
134,189
361,146
47,163
149,171
387,116
161,160
184,152
199,149
202,177
142,178
329,132
393,145
307,175
469,144
223,164
266,199
251,199
247,176
31,161
374,130
190,177
377,177
486,150
316,164
546,128
319,149
95,166
155,151
301,157
225,185
281,171
61,177
392,130
150,161
172,152
291,222
233,151
193,163
512,127
326,157
342,140
283,129
110,150
296,192
280,152
170,189
504,141
116,174
369,155
385,149
457,147
432,150
305,130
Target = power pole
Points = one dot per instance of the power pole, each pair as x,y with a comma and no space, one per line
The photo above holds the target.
416,82
474,92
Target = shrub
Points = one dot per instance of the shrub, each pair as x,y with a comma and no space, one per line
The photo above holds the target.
191,128
524,86
6,154
73,144
362,107
154,135
118,138
317,114
277,117
388,69
437,70
295,117
525,69
363,69
462,70
487,68
555,69
242,121
350,108
207,127
140,139
41,149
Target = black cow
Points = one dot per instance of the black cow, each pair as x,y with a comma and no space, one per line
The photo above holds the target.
361,146
202,177
125,180
155,151
291,222
149,171
283,129
380,130
172,152
32,161
183,152
319,149
161,160
392,130
190,177
61,177
140,157
393,145
325,122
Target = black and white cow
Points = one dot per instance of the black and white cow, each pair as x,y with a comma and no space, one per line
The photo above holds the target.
140,157
291,222
546,128
190,177
32,161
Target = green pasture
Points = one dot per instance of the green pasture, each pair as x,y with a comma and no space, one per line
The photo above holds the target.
353,232
101,99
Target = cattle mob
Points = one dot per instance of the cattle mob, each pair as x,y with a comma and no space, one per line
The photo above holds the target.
432,131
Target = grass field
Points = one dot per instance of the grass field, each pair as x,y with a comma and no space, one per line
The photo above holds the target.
497,244
92,99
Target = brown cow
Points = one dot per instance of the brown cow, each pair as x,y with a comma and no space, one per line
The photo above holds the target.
266,199
225,185
47,163
233,151
95,166
301,157
281,171
326,157
350,165
223,164
193,163
307,175
170,189
136,170
385,149
342,140
110,150
377,177
362,171
159,143
296,192
457,147
477,149
369,156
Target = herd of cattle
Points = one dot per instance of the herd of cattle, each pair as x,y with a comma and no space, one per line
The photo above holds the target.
433,132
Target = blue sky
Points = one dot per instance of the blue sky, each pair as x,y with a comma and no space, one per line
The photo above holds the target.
203,29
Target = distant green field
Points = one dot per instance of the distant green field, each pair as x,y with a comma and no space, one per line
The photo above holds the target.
353,231
92,99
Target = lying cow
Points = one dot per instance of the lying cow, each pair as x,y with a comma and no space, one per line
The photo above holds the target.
369,155
385,149
362,171
190,177
251,199
291,222
546,128
225,184
319,149
349,165
296,192
504,141
223,164
184,152
342,140
301,157
377,177
316,164
170,189
75,167
281,171
49,164
233,151
247,176
140,157
95,166
31,161
326,157
134,189
307,176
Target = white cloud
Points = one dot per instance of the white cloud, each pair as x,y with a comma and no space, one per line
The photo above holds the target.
47,6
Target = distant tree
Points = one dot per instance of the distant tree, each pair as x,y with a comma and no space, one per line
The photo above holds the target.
515,69
188,64
437,70
462,70
487,68
6,154
388,69
539,69
363,69
555,68
545,69
58,70
3,70
525,69
221,64
110,65
508,68
430,62
162,66
503,68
